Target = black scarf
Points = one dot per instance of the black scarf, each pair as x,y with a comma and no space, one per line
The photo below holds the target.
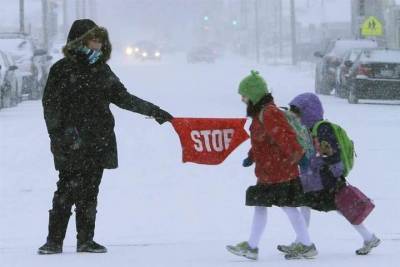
253,110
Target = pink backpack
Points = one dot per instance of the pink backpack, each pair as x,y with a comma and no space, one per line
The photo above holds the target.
353,204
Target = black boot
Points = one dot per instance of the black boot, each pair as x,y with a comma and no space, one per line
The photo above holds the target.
58,223
85,224
50,248
86,212
91,247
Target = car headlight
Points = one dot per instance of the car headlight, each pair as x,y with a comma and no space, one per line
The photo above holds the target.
157,54
129,50
136,49
144,54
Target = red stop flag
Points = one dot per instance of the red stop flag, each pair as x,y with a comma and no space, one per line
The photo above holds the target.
209,141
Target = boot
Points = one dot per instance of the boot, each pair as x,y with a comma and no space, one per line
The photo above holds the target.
50,248
243,249
91,247
58,223
85,224
302,251
368,246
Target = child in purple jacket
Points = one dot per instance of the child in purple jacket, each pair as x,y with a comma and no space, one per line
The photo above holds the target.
326,167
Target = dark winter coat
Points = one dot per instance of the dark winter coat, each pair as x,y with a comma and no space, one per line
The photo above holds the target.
76,104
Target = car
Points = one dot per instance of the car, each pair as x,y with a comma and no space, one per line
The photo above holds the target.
31,61
9,91
325,72
343,72
132,51
144,50
375,74
16,76
201,54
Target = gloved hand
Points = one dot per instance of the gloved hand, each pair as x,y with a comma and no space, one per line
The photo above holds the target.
337,169
247,162
71,138
161,116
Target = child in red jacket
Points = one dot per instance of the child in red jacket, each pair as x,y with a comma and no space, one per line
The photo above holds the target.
276,153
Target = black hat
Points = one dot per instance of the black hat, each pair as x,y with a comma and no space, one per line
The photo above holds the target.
79,28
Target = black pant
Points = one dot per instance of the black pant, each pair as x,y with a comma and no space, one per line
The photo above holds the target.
79,187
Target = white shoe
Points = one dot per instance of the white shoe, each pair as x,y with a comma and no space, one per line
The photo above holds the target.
286,248
243,249
301,251
368,246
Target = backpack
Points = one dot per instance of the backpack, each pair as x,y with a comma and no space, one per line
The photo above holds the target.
346,145
302,134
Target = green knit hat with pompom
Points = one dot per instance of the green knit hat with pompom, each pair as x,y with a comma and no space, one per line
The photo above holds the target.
253,87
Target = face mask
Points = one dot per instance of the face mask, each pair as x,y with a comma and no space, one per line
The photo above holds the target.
92,55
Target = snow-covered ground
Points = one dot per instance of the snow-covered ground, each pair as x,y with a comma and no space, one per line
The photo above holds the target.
155,211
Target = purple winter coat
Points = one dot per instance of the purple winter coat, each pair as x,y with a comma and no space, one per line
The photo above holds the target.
324,171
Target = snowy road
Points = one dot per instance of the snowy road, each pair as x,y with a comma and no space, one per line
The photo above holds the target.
155,211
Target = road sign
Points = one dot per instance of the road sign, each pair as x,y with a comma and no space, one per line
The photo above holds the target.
371,27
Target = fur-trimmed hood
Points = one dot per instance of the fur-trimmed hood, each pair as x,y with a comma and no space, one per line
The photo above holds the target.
83,30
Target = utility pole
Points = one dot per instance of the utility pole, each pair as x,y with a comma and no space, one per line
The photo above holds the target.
243,28
77,9
21,16
93,9
280,28
257,32
45,21
84,15
293,26
65,17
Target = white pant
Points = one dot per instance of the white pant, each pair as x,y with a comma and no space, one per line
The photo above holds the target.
260,221
361,228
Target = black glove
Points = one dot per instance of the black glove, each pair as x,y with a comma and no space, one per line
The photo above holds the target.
247,162
161,116
71,138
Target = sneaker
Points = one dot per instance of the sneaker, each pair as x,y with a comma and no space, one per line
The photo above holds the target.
91,247
243,249
368,246
286,248
50,248
301,251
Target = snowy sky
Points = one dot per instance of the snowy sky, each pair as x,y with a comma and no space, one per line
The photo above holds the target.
309,11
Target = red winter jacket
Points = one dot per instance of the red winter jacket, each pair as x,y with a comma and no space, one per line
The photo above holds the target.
274,147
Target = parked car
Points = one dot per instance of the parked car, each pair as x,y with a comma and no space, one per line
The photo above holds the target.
9,91
31,61
325,73
343,72
201,54
18,75
375,74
